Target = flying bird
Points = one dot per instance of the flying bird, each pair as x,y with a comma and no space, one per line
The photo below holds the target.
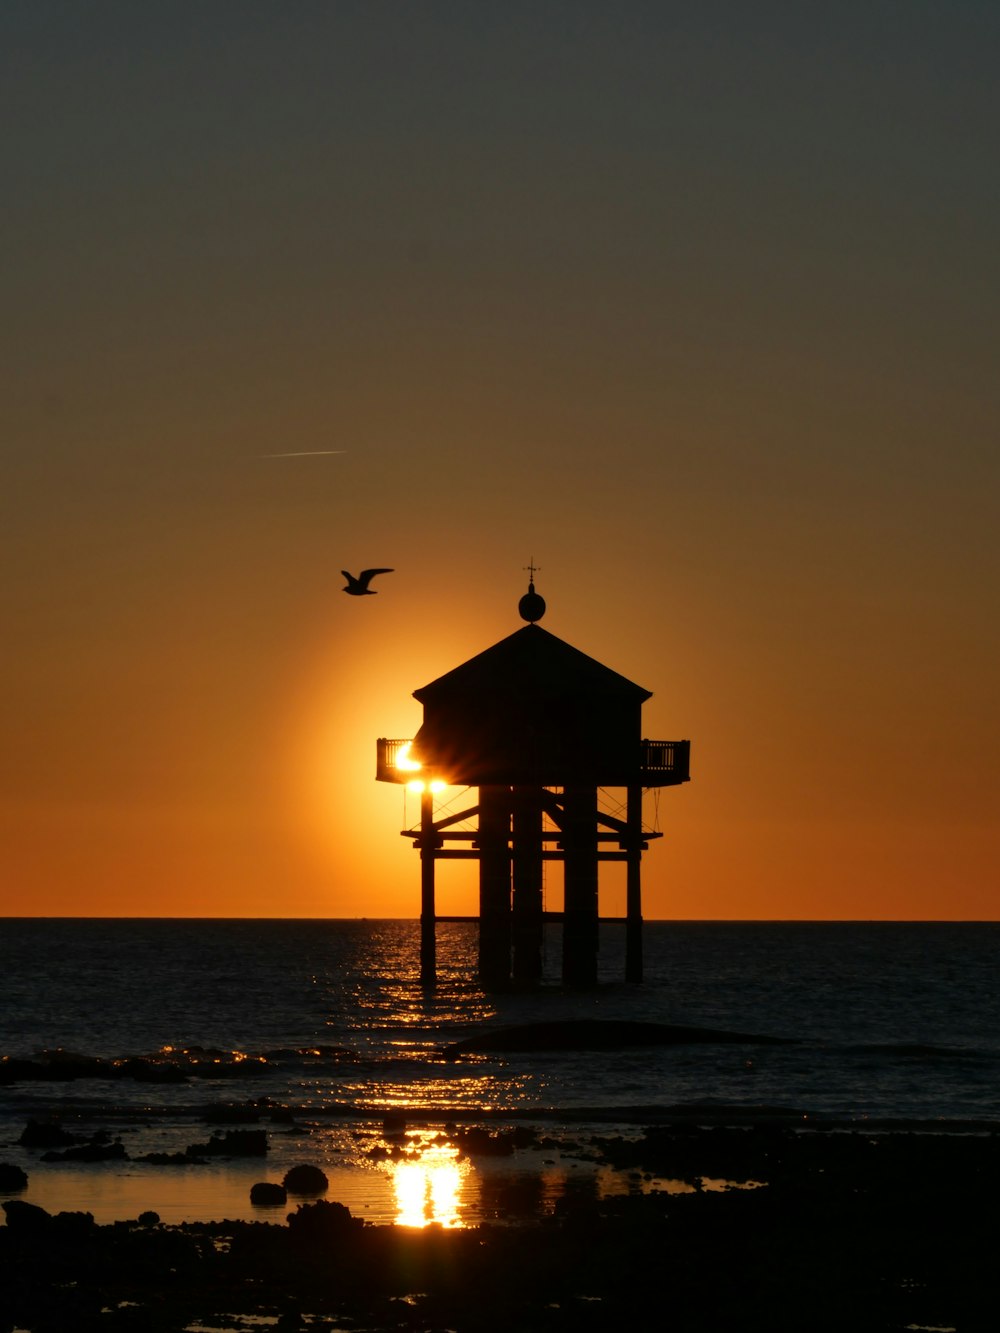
358,587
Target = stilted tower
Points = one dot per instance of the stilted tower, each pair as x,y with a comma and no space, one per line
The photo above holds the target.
537,727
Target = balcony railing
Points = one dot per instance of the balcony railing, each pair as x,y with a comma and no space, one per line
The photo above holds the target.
386,757
661,763
669,759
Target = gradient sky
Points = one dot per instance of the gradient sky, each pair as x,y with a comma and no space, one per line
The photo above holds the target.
695,304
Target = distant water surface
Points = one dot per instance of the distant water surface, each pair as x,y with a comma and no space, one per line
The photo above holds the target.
889,1020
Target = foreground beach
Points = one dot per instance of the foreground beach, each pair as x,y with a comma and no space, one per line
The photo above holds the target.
831,1172
830,1230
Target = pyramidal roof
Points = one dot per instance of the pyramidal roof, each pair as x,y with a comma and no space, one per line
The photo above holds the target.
531,660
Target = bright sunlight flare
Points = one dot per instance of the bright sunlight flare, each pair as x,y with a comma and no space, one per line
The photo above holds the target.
428,1187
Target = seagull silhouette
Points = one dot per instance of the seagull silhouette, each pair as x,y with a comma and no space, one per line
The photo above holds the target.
358,587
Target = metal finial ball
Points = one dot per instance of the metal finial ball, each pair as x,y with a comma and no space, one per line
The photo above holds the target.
531,606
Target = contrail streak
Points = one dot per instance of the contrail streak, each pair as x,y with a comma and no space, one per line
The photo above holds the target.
306,453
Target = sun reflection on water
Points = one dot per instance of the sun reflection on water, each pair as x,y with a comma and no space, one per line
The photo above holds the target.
428,1187
457,1091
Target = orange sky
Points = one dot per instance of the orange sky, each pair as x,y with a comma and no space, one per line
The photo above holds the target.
697,308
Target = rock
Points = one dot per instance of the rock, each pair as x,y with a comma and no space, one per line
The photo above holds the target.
189,1158
89,1152
36,1134
268,1192
233,1143
322,1222
480,1142
13,1070
231,1115
54,1067
12,1178
64,1066
26,1217
150,1071
71,1228
306,1180
595,1034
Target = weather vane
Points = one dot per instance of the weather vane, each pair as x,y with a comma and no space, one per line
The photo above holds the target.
531,607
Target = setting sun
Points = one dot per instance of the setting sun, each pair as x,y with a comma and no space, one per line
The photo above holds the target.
404,762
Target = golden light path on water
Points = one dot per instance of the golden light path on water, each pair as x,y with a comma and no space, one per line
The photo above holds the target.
429,1095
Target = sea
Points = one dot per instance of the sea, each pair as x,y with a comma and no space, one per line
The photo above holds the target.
321,1031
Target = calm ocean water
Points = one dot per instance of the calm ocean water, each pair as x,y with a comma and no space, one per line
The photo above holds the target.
888,1020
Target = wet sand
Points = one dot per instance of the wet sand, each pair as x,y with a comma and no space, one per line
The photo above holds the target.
842,1230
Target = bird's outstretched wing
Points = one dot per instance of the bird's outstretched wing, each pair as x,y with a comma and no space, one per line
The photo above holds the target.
359,586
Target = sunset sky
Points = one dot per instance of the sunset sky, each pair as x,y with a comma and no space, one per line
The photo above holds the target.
696,305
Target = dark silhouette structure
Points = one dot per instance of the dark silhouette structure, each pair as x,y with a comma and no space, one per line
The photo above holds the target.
538,727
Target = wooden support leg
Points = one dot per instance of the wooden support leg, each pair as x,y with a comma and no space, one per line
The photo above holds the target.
580,931
428,933
633,886
494,887
527,884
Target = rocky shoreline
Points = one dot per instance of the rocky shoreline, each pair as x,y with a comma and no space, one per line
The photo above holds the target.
841,1231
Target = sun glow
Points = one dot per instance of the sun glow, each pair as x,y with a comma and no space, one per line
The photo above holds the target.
404,762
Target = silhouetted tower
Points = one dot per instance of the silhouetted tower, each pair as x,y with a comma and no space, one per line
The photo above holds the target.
538,727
